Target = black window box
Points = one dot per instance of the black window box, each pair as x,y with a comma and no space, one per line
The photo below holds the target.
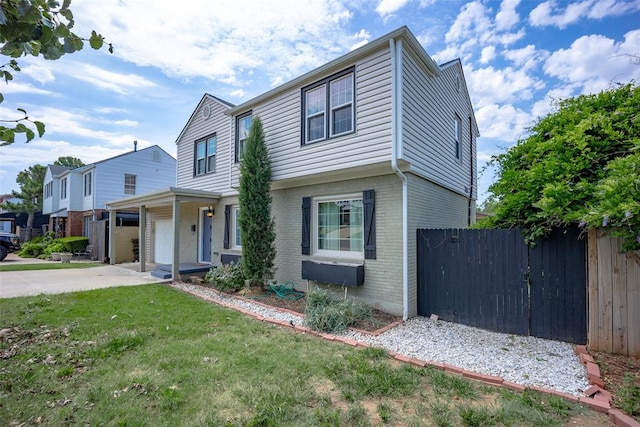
227,259
351,275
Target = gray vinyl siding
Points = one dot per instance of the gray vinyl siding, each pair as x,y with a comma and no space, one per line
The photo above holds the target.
383,275
200,127
429,107
430,206
153,172
371,143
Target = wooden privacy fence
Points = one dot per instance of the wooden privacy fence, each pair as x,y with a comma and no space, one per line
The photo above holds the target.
614,296
493,280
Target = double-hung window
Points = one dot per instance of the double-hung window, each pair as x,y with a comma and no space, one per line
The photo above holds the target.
243,125
87,183
457,134
129,184
232,232
206,155
63,188
328,107
237,232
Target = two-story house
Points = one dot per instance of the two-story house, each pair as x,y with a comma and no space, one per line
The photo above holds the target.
75,197
364,149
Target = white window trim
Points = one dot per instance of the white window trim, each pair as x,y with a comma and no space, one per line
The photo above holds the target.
350,255
328,109
90,181
457,136
235,211
337,107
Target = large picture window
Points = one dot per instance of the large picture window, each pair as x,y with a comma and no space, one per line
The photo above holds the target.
328,107
206,155
243,125
339,226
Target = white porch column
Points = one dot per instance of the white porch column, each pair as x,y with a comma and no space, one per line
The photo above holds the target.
142,239
175,266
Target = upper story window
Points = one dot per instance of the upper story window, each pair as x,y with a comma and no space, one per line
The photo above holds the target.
243,125
328,107
457,134
129,183
206,155
63,188
87,183
48,190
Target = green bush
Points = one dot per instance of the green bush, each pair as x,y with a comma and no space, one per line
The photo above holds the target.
324,313
54,246
74,243
31,249
226,278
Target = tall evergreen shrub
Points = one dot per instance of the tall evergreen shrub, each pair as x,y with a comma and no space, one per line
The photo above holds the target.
256,224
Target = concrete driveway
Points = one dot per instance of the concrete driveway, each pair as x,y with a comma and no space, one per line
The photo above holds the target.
23,283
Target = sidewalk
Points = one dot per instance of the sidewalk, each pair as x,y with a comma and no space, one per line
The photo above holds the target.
24,283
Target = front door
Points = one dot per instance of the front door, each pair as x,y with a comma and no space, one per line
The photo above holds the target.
205,237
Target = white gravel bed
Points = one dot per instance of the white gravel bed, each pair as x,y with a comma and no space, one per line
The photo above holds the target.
528,361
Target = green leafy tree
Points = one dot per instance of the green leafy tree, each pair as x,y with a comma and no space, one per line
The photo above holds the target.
256,223
578,166
69,161
39,28
30,181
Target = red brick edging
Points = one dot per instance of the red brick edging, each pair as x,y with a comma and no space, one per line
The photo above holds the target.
596,397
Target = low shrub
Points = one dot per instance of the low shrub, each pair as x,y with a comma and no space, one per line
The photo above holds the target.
74,243
226,278
31,249
325,313
54,246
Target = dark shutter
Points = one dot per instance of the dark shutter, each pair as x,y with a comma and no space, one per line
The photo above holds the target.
227,225
306,226
368,199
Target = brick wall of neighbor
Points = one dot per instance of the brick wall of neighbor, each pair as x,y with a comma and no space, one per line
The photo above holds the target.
74,223
383,276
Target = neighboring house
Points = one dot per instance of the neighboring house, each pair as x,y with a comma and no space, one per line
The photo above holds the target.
75,197
364,149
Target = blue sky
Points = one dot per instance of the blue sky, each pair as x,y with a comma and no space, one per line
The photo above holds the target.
518,58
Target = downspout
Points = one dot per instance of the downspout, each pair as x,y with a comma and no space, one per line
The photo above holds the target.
396,138
231,144
471,167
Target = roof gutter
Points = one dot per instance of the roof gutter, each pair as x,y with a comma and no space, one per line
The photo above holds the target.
396,138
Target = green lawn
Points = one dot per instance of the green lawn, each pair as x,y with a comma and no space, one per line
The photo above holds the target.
154,356
48,266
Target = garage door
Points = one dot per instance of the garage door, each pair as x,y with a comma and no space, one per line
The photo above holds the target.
163,241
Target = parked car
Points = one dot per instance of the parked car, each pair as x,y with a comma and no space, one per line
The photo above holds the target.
9,242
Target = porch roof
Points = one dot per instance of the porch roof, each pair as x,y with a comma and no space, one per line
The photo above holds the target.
165,197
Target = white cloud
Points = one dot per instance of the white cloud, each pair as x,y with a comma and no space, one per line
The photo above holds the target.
108,80
239,93
507,17
470,22
490,85
527,57
596,62
129,123
503,122
550,13
388,7
225,41
15,87
487,55
40,74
